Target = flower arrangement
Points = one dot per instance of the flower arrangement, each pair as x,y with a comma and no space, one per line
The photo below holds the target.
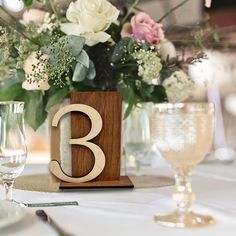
88,46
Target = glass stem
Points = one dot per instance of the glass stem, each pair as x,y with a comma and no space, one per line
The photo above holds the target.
183,196
8,186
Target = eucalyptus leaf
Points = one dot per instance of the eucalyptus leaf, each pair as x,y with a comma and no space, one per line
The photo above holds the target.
74,44
56,97
80,72
92,71
83,58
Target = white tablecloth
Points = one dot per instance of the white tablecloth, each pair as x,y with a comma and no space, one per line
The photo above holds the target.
130,212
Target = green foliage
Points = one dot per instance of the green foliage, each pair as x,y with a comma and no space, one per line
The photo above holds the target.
84,68
28,3
35,113
66,57
100,55
20,73
121,50
10,89
55,96
114,30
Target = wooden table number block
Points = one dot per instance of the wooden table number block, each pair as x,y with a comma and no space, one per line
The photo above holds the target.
95,141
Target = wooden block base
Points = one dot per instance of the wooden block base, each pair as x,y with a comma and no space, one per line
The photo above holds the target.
124,182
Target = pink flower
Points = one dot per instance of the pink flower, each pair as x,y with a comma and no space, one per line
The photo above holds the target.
142,27
32,67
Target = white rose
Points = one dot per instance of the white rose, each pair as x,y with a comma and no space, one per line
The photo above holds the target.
33,15
89,19
34,67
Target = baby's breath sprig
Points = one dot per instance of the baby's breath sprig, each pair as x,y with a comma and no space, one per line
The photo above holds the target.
60,64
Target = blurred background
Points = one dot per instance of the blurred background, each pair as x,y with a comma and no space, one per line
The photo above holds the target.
215,76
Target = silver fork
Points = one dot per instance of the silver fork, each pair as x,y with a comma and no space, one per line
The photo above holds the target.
46,218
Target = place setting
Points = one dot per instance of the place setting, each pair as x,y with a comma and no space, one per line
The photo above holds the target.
115,118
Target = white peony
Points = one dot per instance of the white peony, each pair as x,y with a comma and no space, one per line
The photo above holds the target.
178,86
90,19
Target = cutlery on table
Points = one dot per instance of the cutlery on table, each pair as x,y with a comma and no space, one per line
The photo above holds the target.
46,218
50,204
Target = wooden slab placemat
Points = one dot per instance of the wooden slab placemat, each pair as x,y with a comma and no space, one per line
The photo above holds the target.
48,183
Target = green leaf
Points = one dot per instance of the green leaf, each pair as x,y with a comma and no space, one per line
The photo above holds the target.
9,89
20,74
84,68
80,72
114,30
28,3
91,72
35,113
57,97
131,102
159,94
74,43
83,58
145,91
121,50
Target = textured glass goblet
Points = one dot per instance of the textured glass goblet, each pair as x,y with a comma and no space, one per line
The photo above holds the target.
13,150
183,134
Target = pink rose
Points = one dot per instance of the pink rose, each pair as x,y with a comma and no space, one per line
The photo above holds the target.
142,27
32,67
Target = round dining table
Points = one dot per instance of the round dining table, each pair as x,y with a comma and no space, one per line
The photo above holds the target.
130,212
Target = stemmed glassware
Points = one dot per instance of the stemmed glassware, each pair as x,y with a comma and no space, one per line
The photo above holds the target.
183,134
13,149
136,137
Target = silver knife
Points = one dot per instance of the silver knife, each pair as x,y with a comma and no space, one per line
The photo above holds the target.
50,204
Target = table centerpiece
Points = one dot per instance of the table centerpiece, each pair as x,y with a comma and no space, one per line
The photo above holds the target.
57,49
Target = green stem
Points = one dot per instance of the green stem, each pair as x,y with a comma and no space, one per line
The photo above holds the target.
130,9
51,4
172,10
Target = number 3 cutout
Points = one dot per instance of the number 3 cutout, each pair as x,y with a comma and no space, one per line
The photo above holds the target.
99,156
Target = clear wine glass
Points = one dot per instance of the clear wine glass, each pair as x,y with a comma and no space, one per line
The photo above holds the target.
136,137
13,149
183,134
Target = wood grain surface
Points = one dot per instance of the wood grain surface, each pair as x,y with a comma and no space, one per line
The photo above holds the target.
109,105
